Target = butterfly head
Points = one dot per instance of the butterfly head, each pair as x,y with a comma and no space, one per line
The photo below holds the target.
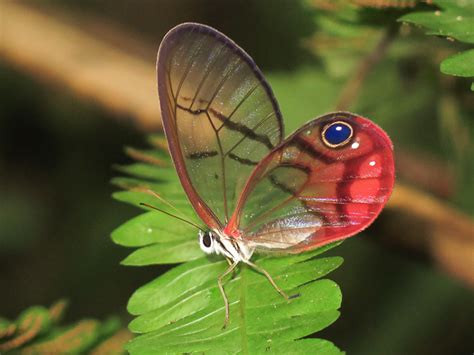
212,242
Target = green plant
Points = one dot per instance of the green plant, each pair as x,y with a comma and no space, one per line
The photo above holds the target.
455,21
183,311
37,330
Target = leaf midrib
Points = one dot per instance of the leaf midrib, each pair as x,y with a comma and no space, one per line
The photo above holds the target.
243,325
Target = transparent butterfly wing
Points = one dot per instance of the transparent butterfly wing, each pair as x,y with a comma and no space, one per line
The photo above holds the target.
219,115
305,194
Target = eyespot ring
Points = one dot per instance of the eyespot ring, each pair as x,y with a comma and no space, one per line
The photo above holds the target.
337,134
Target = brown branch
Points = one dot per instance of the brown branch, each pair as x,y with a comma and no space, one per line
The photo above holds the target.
114,344
419,168
67,55
351,90
429,225
420,222
124,83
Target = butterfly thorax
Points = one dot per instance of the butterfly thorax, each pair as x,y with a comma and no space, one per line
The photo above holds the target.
213,242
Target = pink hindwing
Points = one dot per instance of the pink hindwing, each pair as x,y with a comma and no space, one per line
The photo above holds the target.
307,193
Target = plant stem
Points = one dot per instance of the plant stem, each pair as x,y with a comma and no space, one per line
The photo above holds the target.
351,90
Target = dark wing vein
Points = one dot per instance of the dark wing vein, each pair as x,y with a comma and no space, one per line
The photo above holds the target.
209,74
250,92
246,131
254,128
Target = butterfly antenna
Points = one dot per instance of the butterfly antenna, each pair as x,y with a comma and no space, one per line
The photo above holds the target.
153,193
172,215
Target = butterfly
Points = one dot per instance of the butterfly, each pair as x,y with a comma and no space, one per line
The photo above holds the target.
255,190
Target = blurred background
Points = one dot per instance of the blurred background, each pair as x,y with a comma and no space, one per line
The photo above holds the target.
77,85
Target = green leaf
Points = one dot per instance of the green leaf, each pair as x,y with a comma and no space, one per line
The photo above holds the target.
31,323
460,64
165,253
183,310
36,332
455,20
147,171
84,335
7,328
179,280
136,198
150,228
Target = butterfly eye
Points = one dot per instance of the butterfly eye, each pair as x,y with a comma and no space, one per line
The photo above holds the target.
206,242
337,134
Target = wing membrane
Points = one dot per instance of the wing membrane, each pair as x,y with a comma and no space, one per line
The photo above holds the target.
305,194
219,115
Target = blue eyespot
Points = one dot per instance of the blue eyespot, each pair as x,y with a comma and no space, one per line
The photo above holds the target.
337,134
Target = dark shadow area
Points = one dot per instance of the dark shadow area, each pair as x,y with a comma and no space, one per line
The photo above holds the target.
56,157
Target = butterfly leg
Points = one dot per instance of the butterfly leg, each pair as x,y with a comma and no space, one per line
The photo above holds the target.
267,275
230,262
221,288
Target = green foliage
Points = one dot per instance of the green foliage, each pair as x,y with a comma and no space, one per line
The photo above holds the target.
37,331
460,64
454,20
183,311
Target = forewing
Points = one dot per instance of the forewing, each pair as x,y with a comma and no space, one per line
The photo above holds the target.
219,115
305,194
